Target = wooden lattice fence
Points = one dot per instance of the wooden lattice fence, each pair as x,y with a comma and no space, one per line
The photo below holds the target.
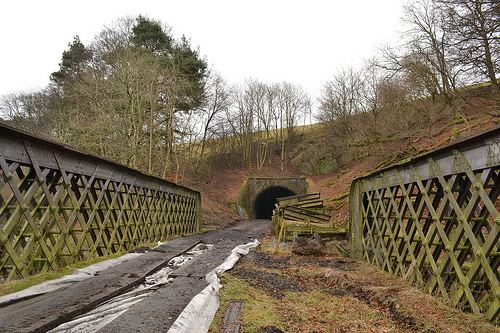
58,206
435,219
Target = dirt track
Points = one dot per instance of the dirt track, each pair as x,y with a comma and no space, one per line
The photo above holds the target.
328,293
158,311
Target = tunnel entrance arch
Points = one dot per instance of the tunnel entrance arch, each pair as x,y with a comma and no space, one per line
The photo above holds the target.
264,203
252,187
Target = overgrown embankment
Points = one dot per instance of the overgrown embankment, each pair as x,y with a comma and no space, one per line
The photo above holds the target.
290,292
331,161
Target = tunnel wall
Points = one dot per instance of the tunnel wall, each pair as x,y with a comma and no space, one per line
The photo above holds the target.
255,185
264,203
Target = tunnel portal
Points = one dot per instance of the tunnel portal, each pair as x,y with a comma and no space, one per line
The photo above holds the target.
264,202
258,194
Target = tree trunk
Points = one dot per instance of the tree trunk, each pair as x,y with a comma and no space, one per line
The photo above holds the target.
169,139
489,64
282,155
150,155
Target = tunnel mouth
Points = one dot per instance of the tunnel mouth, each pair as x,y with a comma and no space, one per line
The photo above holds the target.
264,203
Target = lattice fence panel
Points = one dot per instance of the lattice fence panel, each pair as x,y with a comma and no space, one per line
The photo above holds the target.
58,206
436,221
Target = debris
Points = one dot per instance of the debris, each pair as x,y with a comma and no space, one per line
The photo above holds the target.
232,317
302,214
308,246
270,329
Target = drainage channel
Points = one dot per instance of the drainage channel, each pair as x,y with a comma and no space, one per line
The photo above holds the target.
106,312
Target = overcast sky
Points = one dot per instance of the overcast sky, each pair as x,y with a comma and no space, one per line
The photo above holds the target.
302,42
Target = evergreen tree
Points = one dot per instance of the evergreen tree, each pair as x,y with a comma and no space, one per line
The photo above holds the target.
150,34
194,68
72,63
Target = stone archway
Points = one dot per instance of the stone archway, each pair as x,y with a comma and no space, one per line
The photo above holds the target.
255,186
264,203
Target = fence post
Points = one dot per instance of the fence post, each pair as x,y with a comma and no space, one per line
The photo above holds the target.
356,220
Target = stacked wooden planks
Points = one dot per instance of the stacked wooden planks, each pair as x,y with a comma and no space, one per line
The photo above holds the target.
301,214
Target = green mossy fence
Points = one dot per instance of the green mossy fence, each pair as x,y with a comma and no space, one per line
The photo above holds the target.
59,206
435,220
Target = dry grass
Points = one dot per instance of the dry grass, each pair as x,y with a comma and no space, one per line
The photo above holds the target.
291,293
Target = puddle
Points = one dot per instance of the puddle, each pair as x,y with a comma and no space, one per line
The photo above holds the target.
106,312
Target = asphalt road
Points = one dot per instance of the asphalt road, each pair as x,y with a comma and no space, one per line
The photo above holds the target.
158,311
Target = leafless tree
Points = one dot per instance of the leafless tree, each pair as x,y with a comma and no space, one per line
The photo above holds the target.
428,40
28,111
217,101
341,98
373,78
475,29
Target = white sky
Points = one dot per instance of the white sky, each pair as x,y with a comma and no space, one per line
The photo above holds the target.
303,42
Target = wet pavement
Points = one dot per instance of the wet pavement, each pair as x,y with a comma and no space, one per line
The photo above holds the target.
155,312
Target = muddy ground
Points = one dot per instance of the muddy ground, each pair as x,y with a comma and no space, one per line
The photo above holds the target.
288,292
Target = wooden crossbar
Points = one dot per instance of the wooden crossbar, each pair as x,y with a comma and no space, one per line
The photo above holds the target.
436,220
58,206
301,214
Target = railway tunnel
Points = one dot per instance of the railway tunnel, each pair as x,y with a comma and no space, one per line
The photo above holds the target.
258,194
263,204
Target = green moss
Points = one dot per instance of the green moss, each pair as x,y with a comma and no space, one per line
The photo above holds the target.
457,119
455,133
18,285
259,309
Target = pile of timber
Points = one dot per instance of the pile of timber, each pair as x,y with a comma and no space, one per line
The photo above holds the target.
301,214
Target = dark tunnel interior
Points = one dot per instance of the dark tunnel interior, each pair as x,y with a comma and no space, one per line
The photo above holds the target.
263,204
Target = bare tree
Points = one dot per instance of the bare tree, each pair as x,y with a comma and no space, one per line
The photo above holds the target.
241,120
172,83
341,98
216,102
255,103
294,101
475,28
427,38
28,111
373,78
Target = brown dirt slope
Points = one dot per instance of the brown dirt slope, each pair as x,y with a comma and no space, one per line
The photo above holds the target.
220,190
477,115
